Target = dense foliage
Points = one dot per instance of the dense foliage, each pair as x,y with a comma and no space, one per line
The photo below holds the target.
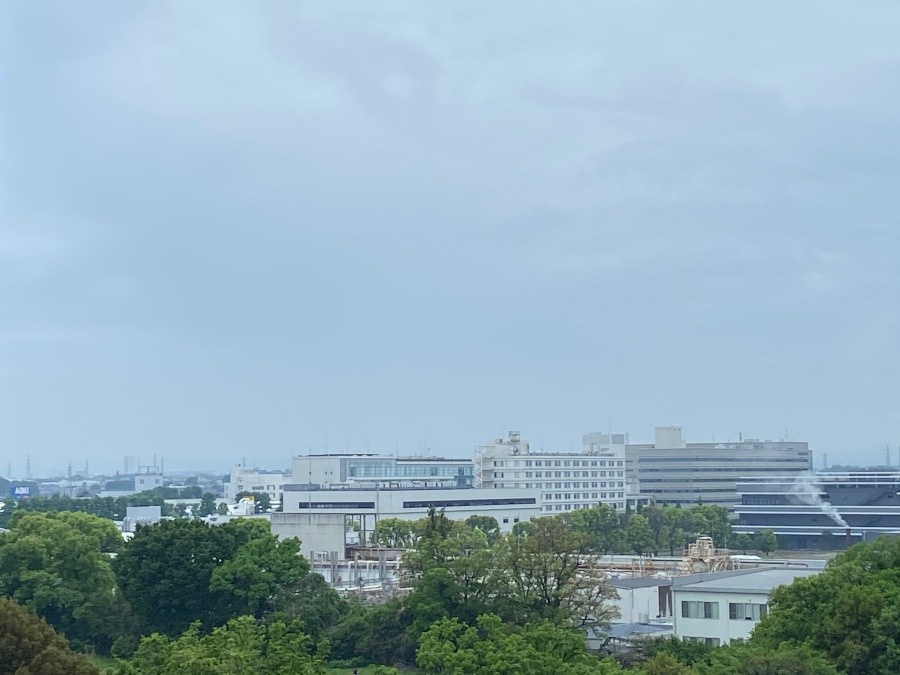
850,612
182,571
232,598
28,646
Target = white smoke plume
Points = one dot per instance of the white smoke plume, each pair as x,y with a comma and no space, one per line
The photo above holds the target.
808,491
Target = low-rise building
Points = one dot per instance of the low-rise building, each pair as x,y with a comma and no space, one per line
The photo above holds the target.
829,510
323,516
718,607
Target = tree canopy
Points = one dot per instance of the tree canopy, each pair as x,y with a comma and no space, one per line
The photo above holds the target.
55,565
177,572
29,646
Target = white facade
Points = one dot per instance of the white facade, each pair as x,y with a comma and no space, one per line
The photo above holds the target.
716,608
365,506
255,480
643,599
565,481
355,470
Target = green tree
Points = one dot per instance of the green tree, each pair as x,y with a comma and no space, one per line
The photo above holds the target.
396,533
743,542
541,578
261,571
453,648
207,504
240,646
640,536
166,570
850,611
54,564
599,527
222,509
488,525
766,541
313,603
29,646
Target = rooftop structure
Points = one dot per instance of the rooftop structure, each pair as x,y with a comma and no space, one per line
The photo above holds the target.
352,469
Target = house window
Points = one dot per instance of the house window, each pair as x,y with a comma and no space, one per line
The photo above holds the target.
747,611
696,609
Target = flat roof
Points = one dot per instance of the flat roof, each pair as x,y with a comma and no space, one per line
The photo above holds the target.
757,581
639,582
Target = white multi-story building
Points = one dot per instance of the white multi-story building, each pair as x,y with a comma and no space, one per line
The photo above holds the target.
349,470
719,607
243,479
565,481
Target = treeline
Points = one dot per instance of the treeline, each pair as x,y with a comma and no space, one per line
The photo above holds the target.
186,597
601,530
112,508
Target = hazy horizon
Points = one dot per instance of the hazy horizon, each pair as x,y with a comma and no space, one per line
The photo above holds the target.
232,229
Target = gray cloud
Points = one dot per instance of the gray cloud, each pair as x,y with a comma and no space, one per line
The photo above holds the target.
231,230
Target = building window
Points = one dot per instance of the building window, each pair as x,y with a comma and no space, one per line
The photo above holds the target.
696,609
712,642
746,611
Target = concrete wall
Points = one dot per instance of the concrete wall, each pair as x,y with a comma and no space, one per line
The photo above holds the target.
318,532
639,605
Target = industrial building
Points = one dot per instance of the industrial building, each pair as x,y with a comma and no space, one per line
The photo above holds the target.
671,471
322,517
825,511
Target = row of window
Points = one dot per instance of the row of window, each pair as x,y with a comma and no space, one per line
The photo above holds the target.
561,474
739,611
549,496
389,468
501,463
722,458
575,507
558,486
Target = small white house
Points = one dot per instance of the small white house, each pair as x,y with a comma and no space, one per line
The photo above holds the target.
718,607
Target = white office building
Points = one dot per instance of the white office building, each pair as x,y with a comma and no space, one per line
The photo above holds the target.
718,607
351,470
565,481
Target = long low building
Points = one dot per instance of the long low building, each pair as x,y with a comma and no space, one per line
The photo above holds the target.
827,511
321,517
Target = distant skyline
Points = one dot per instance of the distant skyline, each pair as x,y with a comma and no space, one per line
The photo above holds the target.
232,229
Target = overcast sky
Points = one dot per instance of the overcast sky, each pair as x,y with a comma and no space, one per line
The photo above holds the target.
236,229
